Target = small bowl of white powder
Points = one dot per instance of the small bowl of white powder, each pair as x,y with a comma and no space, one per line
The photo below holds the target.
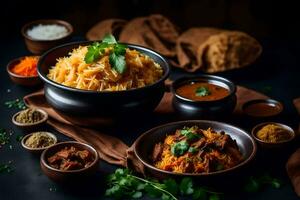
42,35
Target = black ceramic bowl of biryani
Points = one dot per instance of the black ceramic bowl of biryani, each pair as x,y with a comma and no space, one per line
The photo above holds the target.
99,90
208,151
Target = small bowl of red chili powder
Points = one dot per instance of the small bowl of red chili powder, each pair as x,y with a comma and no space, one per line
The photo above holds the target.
23,71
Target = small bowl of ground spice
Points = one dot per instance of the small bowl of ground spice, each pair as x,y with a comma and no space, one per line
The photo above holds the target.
273,135
38,141
42,35
30,119
23,71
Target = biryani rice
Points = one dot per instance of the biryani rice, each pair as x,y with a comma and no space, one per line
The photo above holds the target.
73,71
192,162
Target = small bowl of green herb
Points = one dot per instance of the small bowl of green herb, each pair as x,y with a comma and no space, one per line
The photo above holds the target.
203,96
30,119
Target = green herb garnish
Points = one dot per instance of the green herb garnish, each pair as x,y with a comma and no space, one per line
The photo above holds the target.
202,91
189,134
116,56
123,184
6,167
4,137
193,150
17,103
254,184
179,148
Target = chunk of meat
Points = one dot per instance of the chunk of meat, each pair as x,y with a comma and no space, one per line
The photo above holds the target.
158,149
199,143
235,153
63,153
54,159
71,165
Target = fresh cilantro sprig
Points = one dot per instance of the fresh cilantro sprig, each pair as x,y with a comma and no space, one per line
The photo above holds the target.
179,148
189,133
123,184
202,91
116,56
254,184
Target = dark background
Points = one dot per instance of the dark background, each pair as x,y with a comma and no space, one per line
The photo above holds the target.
275,24
260,18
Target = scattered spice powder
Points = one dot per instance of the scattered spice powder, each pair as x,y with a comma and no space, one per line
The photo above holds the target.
273,133
29,116
39,140
27,66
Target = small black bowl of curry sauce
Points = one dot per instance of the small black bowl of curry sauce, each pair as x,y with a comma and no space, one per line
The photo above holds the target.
203,96
266,109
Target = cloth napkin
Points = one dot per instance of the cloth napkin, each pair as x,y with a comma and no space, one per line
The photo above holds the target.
198,48
293,164
112,149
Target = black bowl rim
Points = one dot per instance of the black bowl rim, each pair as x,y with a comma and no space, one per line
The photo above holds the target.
22,125
41,148
44,77
91,149
253,153
41,21
10,65
181,80
286,127
267,101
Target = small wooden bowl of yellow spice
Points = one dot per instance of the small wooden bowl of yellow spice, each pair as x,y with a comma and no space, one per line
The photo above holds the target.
37,142
30,119
273,135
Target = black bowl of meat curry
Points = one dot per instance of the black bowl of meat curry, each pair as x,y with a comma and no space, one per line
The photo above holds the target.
203,96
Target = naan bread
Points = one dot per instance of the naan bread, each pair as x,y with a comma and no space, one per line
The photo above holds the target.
215,50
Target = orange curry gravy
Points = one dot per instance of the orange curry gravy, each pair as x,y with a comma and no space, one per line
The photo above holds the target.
262,109
211,92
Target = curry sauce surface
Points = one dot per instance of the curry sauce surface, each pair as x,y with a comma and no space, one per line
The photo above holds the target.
189,91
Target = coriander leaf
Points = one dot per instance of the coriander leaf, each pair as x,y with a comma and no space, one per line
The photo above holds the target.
193,150
186,186
115,192
199,193
93,54
120,49
109,39
117,62
189,134
252,185
171,186
275,183
166,197
202,91
137,195
179,148
152,192
214,197
95,51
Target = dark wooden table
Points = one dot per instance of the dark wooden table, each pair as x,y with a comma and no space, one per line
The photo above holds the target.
276,74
